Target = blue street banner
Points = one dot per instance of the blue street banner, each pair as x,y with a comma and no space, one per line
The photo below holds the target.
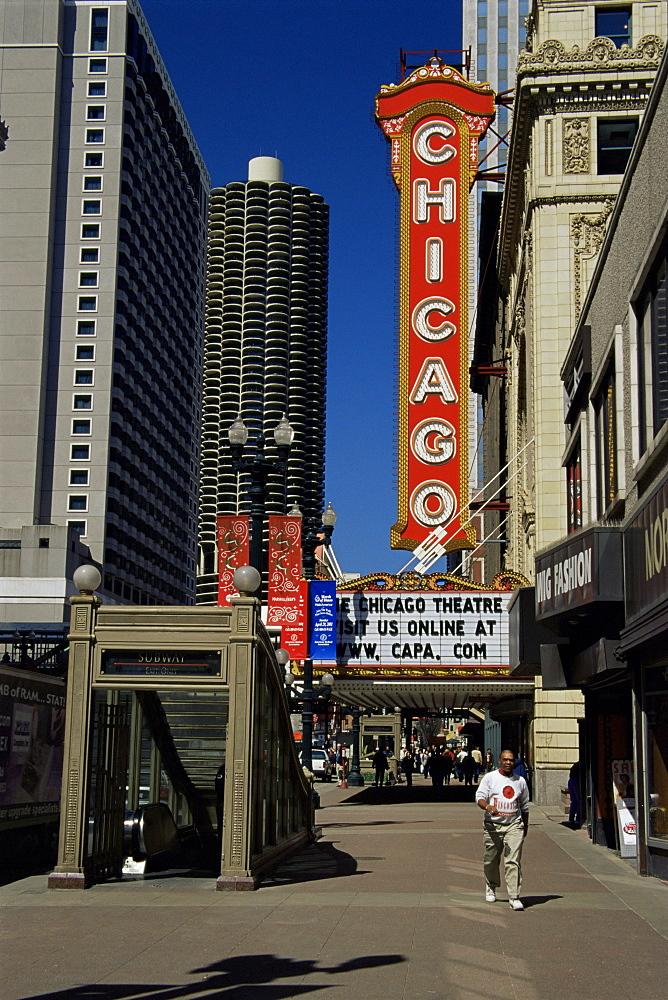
322,620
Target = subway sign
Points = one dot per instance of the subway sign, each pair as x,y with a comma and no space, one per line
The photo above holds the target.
422,633
433,121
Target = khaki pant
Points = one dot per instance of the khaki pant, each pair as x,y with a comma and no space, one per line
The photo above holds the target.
506,841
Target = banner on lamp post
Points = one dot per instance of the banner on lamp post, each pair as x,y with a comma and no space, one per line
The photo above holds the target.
293,625
233,536
285,537
322,620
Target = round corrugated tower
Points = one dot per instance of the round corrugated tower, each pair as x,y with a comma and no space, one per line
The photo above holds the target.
265,346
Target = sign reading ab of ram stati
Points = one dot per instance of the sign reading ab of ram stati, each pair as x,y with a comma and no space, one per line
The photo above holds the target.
418,633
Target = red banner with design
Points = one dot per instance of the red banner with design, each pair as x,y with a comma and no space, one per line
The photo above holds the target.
286,608
233,551
294,625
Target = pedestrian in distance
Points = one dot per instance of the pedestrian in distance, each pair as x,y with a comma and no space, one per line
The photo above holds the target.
477,756
380,764
340,763
437,772
408,766
448,764
504,797
459,760
574,819
469,768
489,761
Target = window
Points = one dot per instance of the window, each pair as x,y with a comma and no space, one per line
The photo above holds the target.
97,65
94,160
82,402
78,526
87,303
606,443
86,328
653,350
83,376
44,543
99,29
92,184
95,112
91,207
90,231
97,88
615,138
89,255
85,352
94,135
574,489
81,426
656,752
80,453
88,279
78,477
614,23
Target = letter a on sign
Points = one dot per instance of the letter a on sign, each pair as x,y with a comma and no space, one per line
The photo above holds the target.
433,120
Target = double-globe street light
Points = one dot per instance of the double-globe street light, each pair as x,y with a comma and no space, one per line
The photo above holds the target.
258,468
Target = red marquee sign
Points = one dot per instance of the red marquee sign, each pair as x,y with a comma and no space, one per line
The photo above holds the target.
433,121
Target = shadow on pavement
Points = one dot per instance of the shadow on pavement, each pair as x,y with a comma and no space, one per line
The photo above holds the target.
313,864
244,977
422,791
530,901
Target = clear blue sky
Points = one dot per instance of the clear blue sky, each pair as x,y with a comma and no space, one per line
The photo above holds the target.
297,79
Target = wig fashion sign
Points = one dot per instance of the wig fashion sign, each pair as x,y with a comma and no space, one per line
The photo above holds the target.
433,121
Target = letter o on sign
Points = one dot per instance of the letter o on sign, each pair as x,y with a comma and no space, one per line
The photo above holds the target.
432,504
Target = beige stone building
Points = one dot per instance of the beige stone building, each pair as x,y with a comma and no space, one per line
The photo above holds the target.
582,86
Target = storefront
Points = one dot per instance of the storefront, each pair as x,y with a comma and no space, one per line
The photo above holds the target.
579,597
644,642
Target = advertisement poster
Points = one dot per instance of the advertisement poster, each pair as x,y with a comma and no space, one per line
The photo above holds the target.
233,551
623,790
322,620
32,719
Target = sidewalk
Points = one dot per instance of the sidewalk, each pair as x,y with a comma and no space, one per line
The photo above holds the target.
387,906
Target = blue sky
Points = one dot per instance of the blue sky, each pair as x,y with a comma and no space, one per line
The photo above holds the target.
297,79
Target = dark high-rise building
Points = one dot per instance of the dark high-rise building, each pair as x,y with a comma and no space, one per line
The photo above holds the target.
265,346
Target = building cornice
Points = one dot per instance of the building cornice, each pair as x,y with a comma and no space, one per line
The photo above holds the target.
551,80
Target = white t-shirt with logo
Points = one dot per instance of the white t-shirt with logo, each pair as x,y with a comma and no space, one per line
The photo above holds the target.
508,793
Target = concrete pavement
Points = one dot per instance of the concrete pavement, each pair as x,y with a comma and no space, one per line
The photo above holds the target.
387,906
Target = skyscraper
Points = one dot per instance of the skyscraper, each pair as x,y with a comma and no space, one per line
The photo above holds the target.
266,346
104,199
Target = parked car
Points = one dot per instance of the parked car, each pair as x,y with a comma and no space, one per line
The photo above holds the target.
322,766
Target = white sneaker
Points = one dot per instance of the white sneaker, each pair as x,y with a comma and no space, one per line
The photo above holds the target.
490,895
516,904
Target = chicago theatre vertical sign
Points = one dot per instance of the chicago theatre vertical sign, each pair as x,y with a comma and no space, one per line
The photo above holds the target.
433,121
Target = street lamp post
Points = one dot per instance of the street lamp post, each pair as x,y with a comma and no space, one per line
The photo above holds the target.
311,539
258,468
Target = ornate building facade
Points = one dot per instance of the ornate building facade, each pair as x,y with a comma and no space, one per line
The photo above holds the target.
582,86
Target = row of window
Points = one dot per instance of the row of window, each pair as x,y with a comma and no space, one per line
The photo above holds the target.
650,310
80,452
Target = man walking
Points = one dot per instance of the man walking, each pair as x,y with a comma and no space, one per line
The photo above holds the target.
380,766
504,796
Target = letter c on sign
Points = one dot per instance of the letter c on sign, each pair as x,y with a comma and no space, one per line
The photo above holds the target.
422,319
433,441
433,504
423,137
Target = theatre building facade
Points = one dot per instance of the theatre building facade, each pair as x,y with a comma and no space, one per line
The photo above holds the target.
598,615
